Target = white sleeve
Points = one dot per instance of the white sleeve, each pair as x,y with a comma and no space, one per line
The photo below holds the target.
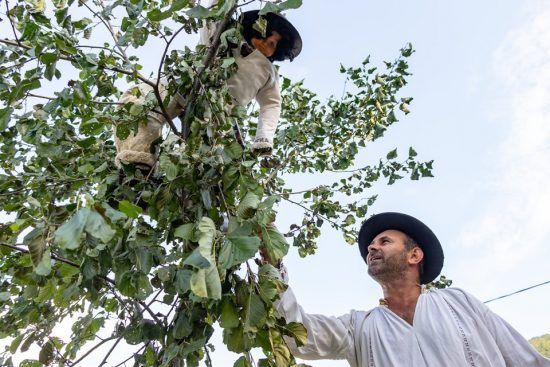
515,350
269,99
327,337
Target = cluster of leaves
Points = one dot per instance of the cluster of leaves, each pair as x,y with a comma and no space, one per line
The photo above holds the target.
158,259
541,344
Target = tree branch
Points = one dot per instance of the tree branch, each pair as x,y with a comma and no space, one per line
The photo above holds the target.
25,251
94,348
135,353
110,351
109,27
311,211
132,72
209,57
11,23
53,99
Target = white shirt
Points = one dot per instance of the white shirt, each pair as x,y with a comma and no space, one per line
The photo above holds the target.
450,328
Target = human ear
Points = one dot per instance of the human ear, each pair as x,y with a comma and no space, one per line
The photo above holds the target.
416,255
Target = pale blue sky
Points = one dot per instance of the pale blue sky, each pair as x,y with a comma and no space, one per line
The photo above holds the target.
481,89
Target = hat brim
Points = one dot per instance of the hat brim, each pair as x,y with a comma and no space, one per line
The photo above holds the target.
424,237
282,26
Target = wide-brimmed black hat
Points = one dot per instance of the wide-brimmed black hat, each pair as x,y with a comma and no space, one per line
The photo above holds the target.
418,231
290,47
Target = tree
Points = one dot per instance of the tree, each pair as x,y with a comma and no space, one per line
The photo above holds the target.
147,258
541,344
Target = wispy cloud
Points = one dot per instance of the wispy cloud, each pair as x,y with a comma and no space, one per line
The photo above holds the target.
512,231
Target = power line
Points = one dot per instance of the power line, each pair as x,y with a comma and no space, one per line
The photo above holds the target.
516,292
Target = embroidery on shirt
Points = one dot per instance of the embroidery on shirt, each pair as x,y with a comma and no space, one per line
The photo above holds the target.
465,342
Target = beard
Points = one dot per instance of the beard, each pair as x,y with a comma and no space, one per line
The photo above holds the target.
389,268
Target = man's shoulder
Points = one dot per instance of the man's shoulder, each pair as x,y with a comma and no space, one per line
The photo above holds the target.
457,295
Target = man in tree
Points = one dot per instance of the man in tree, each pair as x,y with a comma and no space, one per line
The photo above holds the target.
412,326
256,78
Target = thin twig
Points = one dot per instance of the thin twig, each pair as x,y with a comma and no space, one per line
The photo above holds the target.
131,72
109,27
110,351
54,98
46,185
25,251
102,48
11,23
133,355
311,211
94,348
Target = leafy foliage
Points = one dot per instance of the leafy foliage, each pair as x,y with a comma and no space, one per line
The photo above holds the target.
152,254
541,344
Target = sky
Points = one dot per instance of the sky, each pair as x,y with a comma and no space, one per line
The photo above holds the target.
481,88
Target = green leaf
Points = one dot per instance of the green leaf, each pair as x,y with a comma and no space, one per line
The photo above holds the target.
35,242
168,167
237,250
242,362
5,114
274,243
290,4
254,313
182,280
185,231
44,267
298,332
48,58
392,154
97,227
5,296
206,235
206,283
183,327
199,12
15,343
46,353
197,260
68,236
268,8
228,62
229,317
129,209
248,205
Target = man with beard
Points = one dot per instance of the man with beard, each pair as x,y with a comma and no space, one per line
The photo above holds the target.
412,326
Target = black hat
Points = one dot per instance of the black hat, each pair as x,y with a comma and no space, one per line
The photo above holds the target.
289,47
418,231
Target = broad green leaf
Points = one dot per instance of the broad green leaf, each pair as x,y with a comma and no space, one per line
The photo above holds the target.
185,231
35,241
248,205
44,267
229,317
5,114
68,236
254,313
298,332
237,250
197,260
206,234
46,353
181,282
268,8
392,154
97,227
129,209
5,296
242,362
274,243
206,283
290,4
168,167
198,11
183,327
